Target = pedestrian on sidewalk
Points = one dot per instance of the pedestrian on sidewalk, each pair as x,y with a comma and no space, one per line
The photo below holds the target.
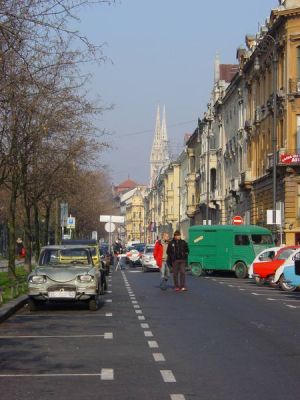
161,257
177,252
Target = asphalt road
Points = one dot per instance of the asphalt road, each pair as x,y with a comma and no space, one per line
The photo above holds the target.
224,339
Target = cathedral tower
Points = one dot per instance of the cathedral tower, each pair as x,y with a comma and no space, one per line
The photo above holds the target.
159,157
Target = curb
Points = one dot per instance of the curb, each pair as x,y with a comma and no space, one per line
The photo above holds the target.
11,307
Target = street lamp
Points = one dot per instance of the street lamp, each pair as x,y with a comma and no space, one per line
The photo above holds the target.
208,118
274,127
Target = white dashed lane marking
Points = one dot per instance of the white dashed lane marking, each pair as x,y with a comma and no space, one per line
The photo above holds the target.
148,333
152,344
177,397
159,357
168,376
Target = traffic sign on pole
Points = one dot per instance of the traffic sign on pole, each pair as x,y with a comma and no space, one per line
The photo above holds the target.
237,220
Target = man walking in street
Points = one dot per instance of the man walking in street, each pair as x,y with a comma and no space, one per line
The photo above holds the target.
177,253
161,258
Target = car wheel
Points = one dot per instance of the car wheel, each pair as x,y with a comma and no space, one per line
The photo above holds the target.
271,281
240,270
285,286
32,305
93,305
196,269
259,281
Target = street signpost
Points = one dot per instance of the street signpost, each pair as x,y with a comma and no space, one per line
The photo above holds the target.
110,226
237,220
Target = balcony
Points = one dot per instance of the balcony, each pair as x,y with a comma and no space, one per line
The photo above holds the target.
246,179
294,87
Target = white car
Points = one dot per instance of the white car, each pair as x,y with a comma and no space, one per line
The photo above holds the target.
147,259
279,277
264,255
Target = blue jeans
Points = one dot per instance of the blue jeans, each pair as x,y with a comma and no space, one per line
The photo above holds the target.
165,271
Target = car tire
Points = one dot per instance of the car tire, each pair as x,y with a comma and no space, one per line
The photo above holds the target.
241,270
259,281
93,305
32,305
196,269
285,286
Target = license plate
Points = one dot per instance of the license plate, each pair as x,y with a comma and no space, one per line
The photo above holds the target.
62,294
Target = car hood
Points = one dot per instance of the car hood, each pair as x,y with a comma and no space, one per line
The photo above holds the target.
63,274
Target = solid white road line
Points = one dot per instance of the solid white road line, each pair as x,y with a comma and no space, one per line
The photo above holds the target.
168,376
108,314
52,336
177,397
290,306
108,335
158,357
106,374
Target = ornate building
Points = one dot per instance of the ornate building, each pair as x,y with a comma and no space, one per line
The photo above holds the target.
159,157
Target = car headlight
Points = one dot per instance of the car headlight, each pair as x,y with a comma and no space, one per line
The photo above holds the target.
85,278
37,279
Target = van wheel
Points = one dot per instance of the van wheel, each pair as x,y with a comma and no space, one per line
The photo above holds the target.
285,286
259,281
196,269
240,270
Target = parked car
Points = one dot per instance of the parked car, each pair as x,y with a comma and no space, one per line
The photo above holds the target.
64,273
291,272
226,247
279,274
147,259
263,256
134,254
265,271
92,244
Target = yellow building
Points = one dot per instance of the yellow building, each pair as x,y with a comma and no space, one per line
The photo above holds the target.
274,67
135,217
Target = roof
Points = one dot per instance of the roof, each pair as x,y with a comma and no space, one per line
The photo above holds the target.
128,184
227,71
236,228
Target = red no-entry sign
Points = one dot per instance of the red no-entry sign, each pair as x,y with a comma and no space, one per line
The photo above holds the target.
237,220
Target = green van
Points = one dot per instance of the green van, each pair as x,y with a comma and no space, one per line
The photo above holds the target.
226,247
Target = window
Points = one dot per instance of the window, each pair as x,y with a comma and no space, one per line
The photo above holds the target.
267,256
298,63
241,240
298,134
298,200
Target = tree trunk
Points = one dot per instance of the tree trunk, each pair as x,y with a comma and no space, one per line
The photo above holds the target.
47,224
12,232
28,238
36,233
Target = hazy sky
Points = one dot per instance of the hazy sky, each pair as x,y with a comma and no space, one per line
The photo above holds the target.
161,52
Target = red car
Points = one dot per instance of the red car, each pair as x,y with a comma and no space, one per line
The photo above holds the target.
265,271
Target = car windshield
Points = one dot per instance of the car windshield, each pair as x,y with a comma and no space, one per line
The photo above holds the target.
284,255
149,250
65,257
139,247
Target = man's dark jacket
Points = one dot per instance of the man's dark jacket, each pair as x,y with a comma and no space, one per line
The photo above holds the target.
177,250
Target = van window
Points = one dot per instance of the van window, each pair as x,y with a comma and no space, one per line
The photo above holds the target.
261,239
241,240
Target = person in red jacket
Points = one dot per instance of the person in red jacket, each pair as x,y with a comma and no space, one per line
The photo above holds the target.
161,258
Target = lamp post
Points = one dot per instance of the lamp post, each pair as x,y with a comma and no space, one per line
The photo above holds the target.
208,118
274,123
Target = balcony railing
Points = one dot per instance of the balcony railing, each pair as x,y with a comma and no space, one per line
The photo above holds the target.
294,86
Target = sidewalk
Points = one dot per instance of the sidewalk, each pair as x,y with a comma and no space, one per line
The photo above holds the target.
11,307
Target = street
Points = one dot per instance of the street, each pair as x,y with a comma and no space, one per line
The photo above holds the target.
224,339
